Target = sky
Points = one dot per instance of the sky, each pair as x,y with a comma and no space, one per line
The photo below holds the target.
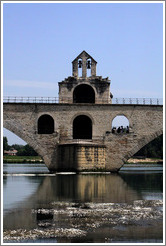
40,40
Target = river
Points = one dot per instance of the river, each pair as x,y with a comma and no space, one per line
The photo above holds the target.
39,207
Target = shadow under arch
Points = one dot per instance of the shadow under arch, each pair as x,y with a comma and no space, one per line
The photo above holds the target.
82,127
45,124
82,113
83,93
142,142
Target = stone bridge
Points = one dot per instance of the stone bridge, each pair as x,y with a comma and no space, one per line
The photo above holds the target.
59,144
76,133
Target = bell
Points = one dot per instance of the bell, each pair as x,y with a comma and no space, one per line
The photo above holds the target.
88,65
79,63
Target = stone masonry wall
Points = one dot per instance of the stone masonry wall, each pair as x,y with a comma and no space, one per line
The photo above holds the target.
100,86
81,157
146,123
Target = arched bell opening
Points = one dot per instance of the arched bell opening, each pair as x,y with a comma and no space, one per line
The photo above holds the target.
82,127
80,67
88,66
83,94
45,124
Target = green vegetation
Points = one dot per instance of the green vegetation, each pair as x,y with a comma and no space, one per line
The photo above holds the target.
152,150
26,151
26,154
22,159
23,150
5,144
144,161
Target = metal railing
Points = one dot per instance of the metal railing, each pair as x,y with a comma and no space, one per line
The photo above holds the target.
137,101
12,99
141,101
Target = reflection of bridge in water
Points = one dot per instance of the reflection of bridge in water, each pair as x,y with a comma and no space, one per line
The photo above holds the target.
87,188
75,188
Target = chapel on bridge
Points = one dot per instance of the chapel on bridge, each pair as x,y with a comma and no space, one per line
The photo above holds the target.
84,86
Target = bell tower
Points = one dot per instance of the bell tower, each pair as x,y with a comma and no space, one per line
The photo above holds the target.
84,86
84,61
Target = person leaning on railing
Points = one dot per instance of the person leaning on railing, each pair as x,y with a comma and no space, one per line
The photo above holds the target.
120,129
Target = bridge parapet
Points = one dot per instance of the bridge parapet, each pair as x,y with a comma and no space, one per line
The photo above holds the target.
50,100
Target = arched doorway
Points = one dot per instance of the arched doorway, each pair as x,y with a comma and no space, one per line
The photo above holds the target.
84,94
45,124
82,127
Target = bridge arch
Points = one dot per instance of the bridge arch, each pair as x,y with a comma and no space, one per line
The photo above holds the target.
82,113
82,127
17,130
16,127
142,142
12,137
122,117
84,93
147,124
45,124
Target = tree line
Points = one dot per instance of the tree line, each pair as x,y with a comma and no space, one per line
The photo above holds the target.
152,150
23,150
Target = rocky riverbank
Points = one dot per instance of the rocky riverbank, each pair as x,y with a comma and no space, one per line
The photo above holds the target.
144,161
74,220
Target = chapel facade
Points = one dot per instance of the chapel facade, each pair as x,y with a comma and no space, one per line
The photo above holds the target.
84,86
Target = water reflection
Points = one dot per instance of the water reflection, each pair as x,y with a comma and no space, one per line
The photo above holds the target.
87,188
113,188
84,188
25,194
25,168
143,181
